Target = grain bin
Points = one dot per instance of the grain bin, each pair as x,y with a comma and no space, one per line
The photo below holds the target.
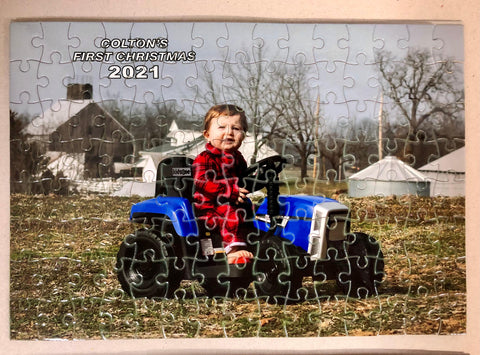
389,176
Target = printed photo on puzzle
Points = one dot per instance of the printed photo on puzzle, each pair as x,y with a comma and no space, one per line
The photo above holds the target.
236,179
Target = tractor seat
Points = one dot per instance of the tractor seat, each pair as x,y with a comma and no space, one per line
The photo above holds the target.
175,177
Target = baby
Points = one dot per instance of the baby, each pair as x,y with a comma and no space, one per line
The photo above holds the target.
218,197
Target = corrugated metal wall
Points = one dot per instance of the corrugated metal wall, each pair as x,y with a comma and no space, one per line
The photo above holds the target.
363,188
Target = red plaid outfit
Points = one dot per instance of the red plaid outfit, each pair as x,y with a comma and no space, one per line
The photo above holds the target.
216,175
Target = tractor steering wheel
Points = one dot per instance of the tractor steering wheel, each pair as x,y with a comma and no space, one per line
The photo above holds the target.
257,175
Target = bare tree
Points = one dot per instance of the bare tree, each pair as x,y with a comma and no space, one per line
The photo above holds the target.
295,114
29,173
250,87
148,123
425,93
276,98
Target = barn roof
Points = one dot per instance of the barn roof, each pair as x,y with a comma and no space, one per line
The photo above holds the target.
389,169
56,115
452,162
60,113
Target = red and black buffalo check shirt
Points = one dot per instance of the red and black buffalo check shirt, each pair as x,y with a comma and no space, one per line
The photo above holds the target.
216,175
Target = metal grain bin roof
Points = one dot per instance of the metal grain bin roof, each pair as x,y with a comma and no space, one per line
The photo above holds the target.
452,162
389,169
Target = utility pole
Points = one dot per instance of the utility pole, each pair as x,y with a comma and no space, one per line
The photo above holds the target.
317,148
380,128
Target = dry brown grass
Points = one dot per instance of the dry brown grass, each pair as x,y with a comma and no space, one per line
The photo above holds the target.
63,283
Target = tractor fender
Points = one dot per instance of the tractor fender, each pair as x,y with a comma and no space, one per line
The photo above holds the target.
178,209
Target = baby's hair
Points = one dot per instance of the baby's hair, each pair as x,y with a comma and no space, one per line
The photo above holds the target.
225,110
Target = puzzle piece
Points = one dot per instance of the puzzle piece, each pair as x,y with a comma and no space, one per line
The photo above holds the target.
352,221
294,44
28,74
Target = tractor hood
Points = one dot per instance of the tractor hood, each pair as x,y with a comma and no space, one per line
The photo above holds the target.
297,212
296,205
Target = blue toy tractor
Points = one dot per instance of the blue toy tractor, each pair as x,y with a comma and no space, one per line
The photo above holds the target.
290,236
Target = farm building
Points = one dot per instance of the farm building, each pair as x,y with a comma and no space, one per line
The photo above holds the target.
190,143
182,142
80,130
447,174
389,176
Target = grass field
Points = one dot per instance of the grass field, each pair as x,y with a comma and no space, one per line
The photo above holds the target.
63,284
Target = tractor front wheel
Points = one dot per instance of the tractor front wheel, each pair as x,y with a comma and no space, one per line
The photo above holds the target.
361,270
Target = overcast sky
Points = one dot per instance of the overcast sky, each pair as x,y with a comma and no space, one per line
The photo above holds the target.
341,56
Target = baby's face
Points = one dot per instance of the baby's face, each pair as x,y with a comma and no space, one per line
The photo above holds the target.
225,133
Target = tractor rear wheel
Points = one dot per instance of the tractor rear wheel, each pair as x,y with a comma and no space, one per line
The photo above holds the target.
146,265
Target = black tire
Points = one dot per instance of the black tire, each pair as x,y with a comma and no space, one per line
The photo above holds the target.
361,270
146,265
275,270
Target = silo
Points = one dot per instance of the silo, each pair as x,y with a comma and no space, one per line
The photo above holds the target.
389,176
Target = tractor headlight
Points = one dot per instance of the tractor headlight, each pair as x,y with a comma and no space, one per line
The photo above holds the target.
317,233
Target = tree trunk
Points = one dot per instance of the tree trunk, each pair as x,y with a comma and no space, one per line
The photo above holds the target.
303,166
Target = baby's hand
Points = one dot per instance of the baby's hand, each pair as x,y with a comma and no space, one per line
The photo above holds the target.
242,195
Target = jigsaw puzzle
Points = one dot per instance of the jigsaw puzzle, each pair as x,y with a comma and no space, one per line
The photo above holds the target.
325,198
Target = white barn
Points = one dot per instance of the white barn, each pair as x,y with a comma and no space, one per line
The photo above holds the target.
190,143
447,174
182,142
389,176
